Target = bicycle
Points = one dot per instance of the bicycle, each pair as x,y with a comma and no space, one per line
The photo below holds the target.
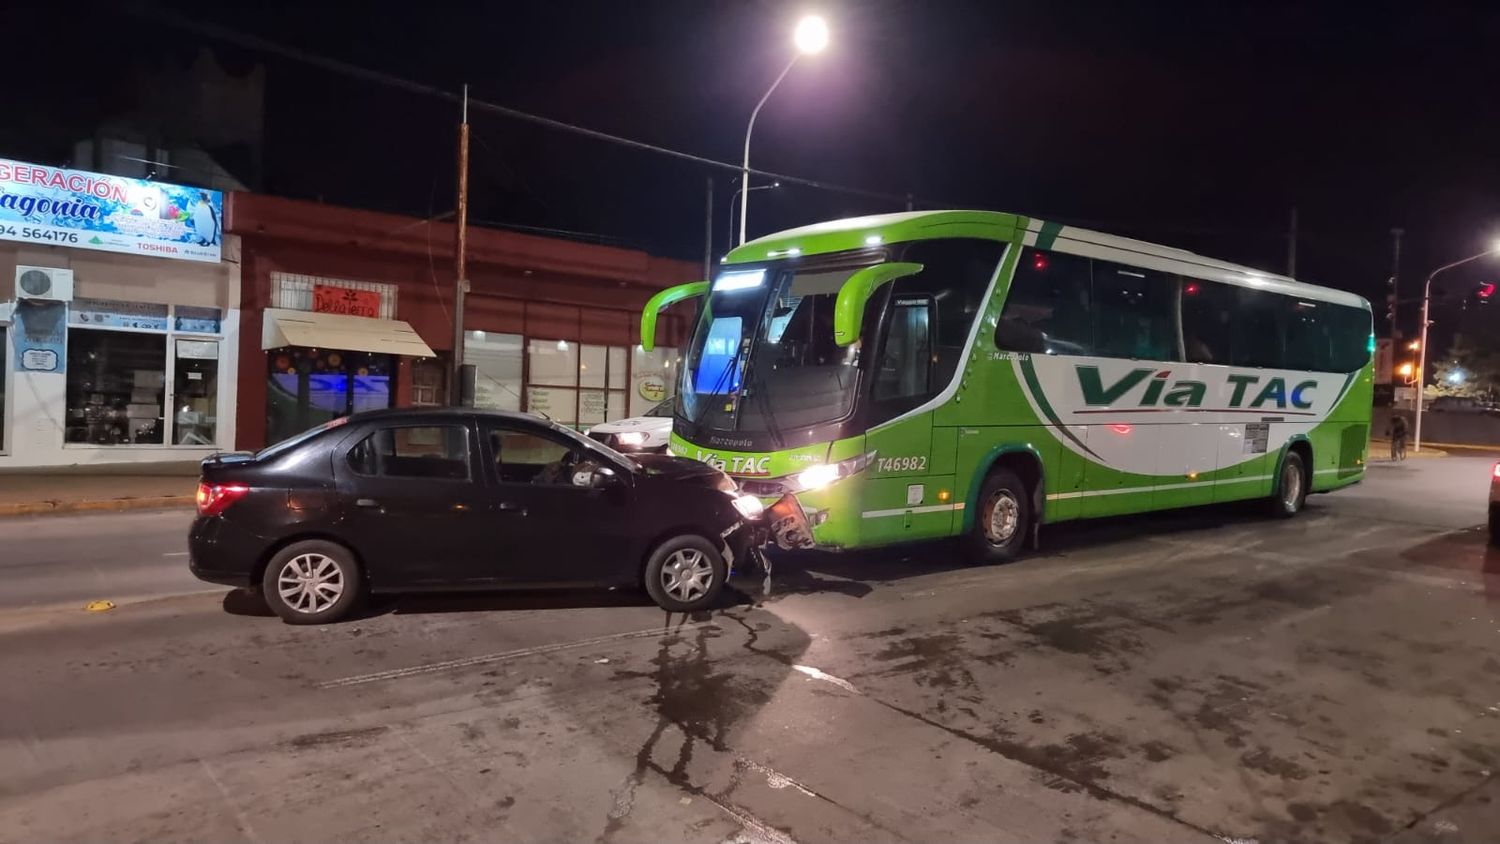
1398,448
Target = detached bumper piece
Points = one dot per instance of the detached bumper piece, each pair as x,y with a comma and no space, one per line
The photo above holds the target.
789,523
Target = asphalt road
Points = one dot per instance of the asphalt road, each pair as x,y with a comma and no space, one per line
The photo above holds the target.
1201,676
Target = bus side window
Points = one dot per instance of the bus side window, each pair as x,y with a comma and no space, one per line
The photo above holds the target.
1133,312
906,358
1047,307
1258,338
1206,311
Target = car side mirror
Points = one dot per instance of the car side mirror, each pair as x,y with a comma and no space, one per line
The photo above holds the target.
598,477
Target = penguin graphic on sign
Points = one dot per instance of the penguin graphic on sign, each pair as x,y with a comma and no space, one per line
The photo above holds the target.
206,221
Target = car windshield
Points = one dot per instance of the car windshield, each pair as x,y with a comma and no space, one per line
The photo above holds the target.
764,358
588,444
663,410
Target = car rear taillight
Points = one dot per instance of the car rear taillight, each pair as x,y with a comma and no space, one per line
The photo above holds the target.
1496,473
214,499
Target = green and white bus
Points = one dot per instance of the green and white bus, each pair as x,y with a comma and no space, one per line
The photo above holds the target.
956,373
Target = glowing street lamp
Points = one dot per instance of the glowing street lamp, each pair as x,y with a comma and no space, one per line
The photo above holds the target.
1416,442
810,37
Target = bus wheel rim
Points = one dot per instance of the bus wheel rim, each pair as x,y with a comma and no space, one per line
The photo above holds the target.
1291,485
1002,518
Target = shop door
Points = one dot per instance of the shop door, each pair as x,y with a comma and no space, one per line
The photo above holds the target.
308,387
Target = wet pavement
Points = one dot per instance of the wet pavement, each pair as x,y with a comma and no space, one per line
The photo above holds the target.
1194,676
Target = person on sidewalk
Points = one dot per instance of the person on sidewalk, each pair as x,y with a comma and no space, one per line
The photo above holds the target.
1397,432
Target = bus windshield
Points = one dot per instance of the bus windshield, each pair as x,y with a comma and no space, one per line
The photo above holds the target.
764,359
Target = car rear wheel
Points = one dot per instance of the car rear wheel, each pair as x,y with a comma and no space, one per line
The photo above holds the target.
1494,525
685,573
312,582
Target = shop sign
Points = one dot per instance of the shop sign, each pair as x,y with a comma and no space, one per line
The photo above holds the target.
85,210
328,299
109,313
38,335
652,387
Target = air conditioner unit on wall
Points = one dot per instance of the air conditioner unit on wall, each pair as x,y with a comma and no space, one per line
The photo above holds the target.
44,283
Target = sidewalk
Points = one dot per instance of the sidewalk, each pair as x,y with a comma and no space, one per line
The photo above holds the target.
97,488
1380,451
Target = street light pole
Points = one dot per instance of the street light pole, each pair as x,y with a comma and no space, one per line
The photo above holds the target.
745,166
810,37
1422,352
734,200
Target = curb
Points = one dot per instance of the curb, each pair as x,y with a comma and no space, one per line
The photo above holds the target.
1383,447
103,505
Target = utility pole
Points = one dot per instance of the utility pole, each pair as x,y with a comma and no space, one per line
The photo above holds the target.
460,248
1291,245
1395,283
708,230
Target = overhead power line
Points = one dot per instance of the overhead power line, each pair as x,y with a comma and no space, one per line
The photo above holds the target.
255,42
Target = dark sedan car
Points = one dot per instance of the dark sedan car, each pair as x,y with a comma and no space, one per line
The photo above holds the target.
408,500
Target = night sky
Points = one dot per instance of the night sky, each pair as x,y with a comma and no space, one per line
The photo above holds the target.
1196,125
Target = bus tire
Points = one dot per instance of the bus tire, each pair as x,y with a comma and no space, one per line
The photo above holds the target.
1003,521
1291,486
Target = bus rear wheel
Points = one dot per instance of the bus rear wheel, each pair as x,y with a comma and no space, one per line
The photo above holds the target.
1291,486
1003,520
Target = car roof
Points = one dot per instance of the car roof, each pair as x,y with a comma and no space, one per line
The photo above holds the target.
408,414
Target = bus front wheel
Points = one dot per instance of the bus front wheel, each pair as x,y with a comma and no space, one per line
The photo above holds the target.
1003,520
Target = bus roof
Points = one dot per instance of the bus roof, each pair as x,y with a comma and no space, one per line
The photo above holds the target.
875,230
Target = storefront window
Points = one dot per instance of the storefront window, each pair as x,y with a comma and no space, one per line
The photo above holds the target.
307,387
552,390
4,376
497,368
116,382
195,380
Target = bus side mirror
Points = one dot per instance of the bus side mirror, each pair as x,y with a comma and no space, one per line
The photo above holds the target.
656,304
849,307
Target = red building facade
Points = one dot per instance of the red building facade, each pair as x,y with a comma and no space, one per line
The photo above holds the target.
551,325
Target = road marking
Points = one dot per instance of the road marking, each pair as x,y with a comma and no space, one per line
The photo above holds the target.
176,553
503,656
239,817
818,674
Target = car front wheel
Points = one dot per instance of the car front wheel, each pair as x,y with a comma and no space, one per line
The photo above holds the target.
685,573
312,582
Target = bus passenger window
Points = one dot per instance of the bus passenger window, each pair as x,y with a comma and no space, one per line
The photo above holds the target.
1133,312
1206,309
1047,307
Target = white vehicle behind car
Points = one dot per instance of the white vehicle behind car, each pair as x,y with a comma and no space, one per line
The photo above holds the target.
645,433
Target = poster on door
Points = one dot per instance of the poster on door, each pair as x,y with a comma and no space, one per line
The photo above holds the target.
39,335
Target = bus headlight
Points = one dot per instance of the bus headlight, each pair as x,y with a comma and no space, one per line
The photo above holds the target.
819,476
749,506
823,474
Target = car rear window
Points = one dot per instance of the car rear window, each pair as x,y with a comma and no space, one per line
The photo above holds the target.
435,452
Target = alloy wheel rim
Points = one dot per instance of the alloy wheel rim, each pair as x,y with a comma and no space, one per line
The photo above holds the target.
1003,518
310,583
1291,484
687,574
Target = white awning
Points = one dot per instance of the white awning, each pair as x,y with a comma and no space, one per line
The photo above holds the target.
339,331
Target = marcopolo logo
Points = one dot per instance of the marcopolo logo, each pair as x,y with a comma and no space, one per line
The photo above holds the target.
1161,389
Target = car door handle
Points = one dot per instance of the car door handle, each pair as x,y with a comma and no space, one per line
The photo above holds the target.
511,507
366,502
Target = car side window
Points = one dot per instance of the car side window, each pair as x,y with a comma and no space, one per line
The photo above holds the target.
525,457
434,452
